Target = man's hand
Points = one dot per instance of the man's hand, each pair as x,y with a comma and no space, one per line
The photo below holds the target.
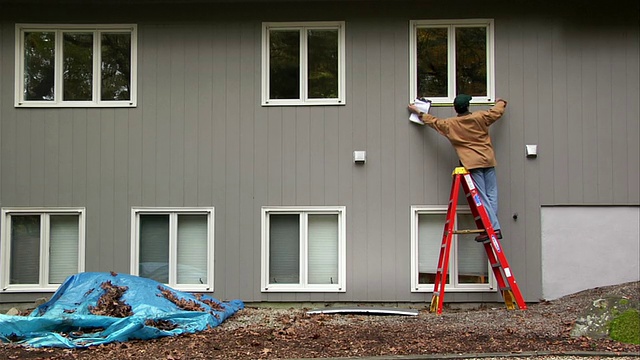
414,109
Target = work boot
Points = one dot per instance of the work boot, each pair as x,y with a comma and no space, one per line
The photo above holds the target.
484,236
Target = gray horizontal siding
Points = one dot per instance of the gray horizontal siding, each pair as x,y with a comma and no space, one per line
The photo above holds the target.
199,137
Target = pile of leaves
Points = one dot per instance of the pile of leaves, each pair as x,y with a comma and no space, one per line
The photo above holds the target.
184,304
188,304
161,324
109,303
212,304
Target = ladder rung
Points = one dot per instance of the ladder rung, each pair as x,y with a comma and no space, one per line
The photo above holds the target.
496,265
469,231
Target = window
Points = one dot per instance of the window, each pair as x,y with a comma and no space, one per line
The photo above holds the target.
303,63
468,267
174,246
451,57
303,249
41,247
75,65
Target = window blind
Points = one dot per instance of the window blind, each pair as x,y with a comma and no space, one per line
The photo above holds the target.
472,257
192,249
63,247
430,227
25,249
154,247
284,248
323,248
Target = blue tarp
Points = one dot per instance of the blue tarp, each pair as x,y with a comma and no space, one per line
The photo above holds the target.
66,321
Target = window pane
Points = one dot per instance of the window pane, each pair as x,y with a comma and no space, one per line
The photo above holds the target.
430,228
471,60
323,249
25,249
323,63
472,257
192,249
39,62
77,75
432,50
63,247
154,247
284,64
116,66
284,249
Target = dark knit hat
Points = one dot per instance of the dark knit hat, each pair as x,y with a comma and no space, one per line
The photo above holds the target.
461,102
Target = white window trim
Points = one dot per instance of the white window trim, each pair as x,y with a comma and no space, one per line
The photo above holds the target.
58,29
173,245
450,25
453,259
302,26
5,248
340,286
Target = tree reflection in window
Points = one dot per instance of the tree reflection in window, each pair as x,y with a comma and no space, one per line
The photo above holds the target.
77,74
284,64
432,62
434,49
77,65
116,66
39,65
471,60
323,63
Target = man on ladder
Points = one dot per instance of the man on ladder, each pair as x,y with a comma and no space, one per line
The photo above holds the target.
468,132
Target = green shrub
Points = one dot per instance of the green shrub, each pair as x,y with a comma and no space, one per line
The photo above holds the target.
626,327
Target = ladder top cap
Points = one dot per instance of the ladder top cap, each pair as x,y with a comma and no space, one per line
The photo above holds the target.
460,170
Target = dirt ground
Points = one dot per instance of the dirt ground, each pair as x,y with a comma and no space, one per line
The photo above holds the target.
263,333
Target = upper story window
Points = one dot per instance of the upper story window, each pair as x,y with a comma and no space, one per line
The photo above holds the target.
75,65
469,268
451,57
303,63
174,246
41,247
303,249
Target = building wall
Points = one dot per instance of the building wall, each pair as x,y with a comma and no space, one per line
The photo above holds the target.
582,248
199,136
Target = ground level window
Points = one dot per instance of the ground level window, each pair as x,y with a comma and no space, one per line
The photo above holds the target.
468,268
303,249
174,247
41,247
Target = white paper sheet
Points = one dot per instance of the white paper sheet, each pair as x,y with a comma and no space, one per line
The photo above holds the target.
423,105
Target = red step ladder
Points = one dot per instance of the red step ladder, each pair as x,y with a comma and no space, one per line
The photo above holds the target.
497,259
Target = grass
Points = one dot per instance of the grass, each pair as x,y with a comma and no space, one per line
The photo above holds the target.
626,327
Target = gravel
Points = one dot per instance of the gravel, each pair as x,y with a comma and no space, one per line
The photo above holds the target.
543,331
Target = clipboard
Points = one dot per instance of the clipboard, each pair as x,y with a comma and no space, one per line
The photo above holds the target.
423,105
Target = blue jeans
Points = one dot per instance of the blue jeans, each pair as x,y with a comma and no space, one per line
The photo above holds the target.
487,185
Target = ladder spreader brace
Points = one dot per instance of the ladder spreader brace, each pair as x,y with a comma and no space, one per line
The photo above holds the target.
497,259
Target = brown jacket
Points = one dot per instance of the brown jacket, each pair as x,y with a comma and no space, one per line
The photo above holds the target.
469,135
